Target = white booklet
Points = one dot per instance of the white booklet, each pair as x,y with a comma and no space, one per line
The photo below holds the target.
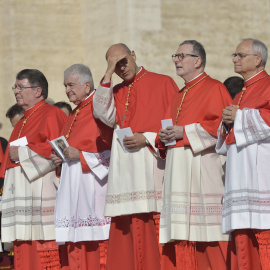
19,142
122,133
168,123
58,145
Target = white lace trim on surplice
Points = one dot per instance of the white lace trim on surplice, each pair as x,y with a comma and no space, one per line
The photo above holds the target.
193,209
133,196
246,200
81,222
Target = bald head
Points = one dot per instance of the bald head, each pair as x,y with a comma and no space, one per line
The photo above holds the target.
126,67
119,47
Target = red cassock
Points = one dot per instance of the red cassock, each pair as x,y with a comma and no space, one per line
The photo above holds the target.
133,242
199,106
148,100
202,104
84,133
45,122
37,131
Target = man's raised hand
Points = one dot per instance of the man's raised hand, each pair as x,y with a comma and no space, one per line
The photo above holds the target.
112,62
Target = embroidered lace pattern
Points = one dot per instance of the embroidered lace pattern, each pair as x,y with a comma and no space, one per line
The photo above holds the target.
186,208
205,138
246,200
34,211
133,196
81,222
254,127
101,100
103,158
203,210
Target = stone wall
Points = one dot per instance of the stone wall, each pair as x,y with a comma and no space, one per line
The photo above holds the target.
51,35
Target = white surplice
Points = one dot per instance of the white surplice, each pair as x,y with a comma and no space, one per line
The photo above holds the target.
28,199
79,210
246,202
192,190
135,178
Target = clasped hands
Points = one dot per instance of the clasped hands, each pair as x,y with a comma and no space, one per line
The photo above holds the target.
171,133
70,153
228,114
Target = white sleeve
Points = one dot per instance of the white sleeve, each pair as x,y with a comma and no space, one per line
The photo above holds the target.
249,127
221,147
34,165
151,137
199,138
98,163
103,104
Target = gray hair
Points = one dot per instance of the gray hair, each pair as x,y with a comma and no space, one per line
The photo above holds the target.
260,48
83,72
198,49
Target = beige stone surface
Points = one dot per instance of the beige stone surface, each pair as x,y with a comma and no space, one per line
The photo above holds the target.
51,35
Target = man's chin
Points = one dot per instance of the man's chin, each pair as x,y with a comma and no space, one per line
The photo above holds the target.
179,73
71,99
128,78
19,102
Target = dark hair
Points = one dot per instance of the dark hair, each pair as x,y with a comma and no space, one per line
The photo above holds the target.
234,85
14,110
35,78
198,49
63,104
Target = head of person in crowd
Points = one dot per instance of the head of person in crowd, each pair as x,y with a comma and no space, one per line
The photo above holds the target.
14,113
126,67
64,106
78,82
189,59
250,57
30,87
234,85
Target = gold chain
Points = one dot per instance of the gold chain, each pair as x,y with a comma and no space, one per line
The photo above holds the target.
77,111
129,89
185,92
24,122
244,89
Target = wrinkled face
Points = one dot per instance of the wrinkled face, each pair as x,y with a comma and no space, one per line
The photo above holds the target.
126,68
75,91
26,97
187,67
15,119
247,65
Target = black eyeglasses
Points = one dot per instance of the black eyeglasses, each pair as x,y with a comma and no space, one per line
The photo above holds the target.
181,56
20,88
242,55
